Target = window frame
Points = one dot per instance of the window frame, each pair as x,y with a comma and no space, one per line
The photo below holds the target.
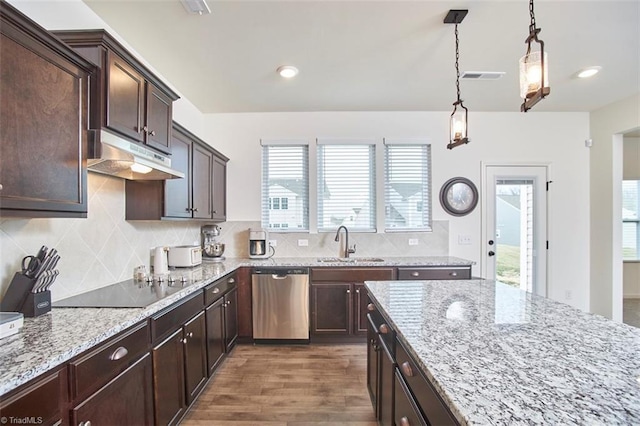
636,221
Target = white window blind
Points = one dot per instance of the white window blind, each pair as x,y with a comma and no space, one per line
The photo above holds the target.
346,186
631,220
285,187
407,193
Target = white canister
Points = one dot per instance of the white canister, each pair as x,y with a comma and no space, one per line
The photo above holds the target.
160,264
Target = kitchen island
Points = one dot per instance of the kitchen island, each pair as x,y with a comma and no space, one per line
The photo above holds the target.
497,355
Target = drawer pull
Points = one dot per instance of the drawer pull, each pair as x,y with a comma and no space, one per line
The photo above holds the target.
230,280
87,423
454,274
190,334
414,274
119,353
384,329
216,290
406,369
371,307
405,421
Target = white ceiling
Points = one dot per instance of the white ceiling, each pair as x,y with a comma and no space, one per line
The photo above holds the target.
379,55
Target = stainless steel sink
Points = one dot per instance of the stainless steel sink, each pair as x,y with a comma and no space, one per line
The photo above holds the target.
349,259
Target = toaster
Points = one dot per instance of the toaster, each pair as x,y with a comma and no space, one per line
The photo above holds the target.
185,256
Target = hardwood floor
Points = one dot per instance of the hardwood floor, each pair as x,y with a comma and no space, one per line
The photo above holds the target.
298,385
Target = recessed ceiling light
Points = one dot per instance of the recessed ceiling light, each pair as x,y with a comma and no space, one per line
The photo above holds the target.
588,72
287,71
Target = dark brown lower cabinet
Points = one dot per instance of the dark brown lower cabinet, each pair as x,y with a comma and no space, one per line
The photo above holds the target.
125,400
222,319
373,369
168,380
215,335
331,309
230,319
386,382
406,412
195,357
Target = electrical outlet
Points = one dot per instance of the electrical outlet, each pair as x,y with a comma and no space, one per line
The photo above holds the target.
303,243
464,240
273,243
567,295
413,241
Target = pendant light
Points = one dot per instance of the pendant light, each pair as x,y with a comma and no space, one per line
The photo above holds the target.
534,69
458,123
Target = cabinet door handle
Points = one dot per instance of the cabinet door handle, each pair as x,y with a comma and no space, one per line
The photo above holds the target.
358,291
194,210
119,353
371,307
184,341
454,274
348,291
415,274
405,421
87,423
190,334
188,209
406,369
384,329
152,133
215,212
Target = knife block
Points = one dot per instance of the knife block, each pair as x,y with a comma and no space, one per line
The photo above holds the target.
19,297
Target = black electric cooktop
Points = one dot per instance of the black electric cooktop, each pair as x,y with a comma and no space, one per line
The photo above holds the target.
125,294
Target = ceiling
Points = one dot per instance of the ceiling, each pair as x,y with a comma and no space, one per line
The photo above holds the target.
379,55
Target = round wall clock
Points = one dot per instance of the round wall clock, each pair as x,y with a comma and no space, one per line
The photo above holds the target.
459,196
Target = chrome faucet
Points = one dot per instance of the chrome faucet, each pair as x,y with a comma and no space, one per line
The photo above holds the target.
347,250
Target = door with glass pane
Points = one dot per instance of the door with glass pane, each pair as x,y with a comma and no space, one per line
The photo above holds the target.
515,224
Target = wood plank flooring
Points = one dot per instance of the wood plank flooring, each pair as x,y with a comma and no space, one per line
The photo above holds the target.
298,385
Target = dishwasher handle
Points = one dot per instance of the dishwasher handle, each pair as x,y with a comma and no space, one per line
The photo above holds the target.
279,276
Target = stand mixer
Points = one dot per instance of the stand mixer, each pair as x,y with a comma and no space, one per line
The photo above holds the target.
212,250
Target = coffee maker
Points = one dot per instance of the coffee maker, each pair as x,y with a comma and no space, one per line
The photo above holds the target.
258,243
211,249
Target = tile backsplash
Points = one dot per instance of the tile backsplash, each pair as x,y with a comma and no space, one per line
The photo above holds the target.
104,248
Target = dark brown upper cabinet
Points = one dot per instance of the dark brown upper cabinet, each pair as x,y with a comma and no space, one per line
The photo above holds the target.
43,121
126,97
200,195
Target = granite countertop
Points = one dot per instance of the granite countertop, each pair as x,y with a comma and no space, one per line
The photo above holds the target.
498,355
49,340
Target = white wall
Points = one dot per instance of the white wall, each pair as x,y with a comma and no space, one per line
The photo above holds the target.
606,126
631,171
554,138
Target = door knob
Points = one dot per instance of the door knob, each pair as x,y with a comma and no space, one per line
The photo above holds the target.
491,253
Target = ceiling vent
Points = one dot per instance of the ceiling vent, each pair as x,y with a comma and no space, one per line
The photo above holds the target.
481,75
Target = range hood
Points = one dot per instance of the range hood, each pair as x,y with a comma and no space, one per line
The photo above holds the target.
113,155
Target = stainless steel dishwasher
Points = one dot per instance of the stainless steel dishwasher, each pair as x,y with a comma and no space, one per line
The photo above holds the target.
280,298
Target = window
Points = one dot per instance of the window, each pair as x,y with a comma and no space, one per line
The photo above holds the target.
285,187
407,192
346,186
631,220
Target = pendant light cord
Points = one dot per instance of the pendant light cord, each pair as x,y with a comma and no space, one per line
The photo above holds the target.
532,26
457,67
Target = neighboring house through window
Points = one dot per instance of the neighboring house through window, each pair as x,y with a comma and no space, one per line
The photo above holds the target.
631,220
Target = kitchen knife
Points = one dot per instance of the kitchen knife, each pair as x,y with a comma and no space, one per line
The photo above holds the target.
42,253
47,262
52,279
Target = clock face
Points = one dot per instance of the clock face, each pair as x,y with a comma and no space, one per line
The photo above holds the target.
459,196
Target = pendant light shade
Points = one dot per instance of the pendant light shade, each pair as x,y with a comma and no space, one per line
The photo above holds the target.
534,68
458,123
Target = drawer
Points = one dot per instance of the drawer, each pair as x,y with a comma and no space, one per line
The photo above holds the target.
176,315
41,401
406,413
218,288
421,389
354,275
100,365
435,273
